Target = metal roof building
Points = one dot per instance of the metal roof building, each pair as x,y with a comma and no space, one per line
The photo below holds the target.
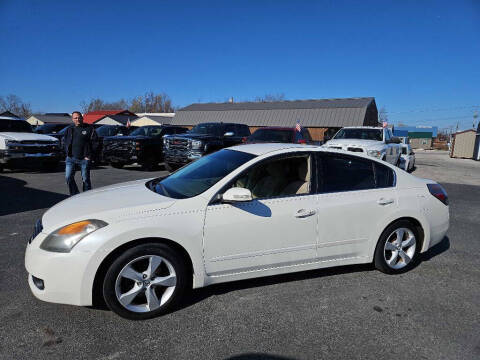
321,113
50,119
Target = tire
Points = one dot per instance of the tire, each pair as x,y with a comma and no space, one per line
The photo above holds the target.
116,165
139,299
389,258
50,166
171,167
150,164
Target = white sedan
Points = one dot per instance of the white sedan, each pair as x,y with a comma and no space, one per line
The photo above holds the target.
242,212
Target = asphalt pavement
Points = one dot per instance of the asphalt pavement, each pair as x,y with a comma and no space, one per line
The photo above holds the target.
353,312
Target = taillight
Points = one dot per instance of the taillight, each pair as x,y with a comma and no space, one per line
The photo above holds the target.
439,192
302,141
244,139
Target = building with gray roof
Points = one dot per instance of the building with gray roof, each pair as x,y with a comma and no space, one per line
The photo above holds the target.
320,116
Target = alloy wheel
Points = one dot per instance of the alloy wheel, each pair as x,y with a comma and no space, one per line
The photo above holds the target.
145,283
400,248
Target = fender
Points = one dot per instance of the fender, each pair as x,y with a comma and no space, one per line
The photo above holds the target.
190,238
400,213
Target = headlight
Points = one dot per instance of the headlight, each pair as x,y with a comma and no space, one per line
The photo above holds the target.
375,153
65,238
197,144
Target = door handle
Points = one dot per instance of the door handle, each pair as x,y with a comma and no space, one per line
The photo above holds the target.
383,201
302,213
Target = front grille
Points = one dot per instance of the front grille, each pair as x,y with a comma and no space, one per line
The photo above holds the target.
177,144
37,229
355,149
34,146
117,146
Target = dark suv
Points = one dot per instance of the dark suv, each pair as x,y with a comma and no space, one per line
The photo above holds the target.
144,146
202,139
280,135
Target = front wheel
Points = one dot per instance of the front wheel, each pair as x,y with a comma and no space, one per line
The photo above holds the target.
145,281
398,248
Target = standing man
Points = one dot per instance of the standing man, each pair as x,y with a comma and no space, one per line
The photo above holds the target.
80,141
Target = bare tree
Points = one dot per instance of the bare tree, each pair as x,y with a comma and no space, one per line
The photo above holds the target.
382,115
270,97
150,102
15,105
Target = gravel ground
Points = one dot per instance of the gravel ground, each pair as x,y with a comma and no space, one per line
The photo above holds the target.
431,312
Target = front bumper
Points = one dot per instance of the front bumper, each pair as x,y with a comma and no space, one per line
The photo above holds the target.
63,274
20,158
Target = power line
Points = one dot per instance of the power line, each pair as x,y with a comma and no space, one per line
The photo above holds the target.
434,109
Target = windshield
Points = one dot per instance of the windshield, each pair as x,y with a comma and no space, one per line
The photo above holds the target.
147,131
359,133
207,129
272,135
200,175
108,130
15,126
49,128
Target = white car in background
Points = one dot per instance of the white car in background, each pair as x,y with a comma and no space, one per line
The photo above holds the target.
374,141
242,212
407,158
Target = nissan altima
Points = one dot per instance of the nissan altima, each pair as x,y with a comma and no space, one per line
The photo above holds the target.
242,212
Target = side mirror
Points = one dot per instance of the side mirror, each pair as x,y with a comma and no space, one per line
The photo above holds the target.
229,133
237,194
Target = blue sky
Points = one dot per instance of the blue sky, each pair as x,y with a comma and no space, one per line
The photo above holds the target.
419,59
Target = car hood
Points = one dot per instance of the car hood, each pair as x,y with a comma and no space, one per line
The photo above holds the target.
354,142
121,138
19,136
194,136
111,204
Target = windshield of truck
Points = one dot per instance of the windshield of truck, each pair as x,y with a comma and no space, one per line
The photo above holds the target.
15,126
272,135
207,129
49,128
109,130
147,131
199,176
363,134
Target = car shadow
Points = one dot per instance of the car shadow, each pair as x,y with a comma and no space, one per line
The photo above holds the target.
437,249
258,356
20,198
198,295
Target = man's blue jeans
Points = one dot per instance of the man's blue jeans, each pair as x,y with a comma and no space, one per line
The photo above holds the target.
70,169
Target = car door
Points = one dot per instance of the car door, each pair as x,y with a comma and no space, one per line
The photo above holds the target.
355,195
277,228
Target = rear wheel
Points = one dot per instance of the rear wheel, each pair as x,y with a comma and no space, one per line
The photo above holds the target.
117,165
145,281
171,167
398,248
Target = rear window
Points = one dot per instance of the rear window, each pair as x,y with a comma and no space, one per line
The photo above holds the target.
15,126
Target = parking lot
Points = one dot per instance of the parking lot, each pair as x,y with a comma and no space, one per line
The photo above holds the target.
431,312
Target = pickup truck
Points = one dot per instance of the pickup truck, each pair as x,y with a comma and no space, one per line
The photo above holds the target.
274,134
144,146
374,141
202,139
20,147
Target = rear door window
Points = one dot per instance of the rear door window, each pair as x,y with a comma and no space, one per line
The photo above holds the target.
338,173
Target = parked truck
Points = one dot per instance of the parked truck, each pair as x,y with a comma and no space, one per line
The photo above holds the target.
21,147
374,141
202,139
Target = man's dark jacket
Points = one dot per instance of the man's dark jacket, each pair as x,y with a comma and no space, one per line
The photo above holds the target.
90,146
